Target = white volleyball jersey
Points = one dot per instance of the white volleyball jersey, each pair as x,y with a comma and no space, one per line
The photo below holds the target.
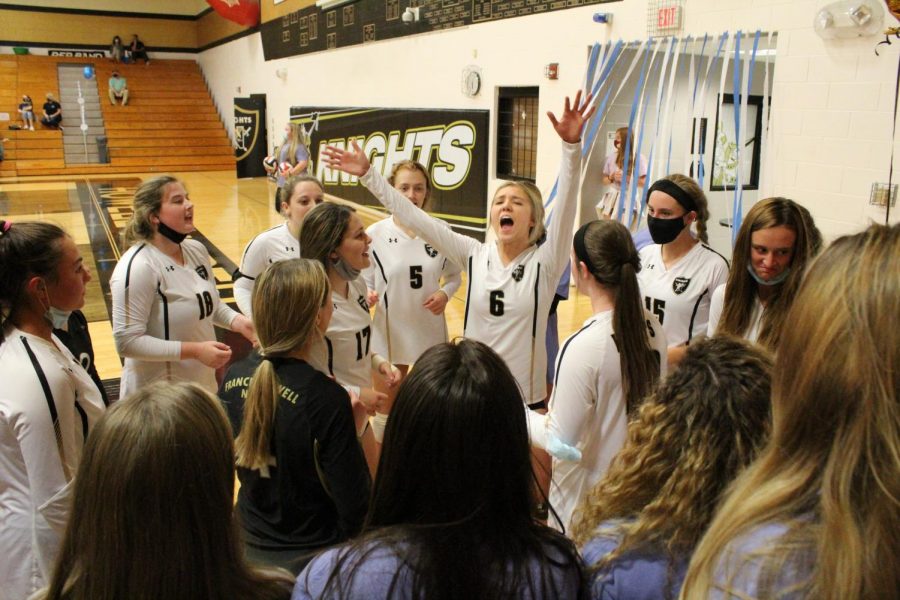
405,272
43,384
679,295
506,306
270,246
157,304
717,306
587,409
345,352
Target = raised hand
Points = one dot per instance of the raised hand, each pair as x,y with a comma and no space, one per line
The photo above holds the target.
351,161
573,118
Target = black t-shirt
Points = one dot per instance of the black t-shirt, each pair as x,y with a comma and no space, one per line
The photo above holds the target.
78,340
317,492
51,107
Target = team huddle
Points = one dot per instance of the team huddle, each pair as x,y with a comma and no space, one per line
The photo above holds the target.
671,454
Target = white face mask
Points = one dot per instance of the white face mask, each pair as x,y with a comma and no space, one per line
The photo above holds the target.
57,318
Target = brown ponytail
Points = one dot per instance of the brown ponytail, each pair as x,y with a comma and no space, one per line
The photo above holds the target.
613,261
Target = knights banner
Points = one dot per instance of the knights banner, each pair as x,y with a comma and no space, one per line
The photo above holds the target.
250,135
452,145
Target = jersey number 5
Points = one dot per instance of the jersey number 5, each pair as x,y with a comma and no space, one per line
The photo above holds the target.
415,276
658,308
497,303
360,335
205,302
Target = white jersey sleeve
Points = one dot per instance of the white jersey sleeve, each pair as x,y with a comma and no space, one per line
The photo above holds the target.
452,275
455,246
556,249
270,246
679,294
716,306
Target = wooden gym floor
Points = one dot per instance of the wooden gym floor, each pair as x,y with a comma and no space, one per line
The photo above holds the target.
228,213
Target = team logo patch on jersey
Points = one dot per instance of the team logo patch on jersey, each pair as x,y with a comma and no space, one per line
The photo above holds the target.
202,272
680,284
519,273
430,251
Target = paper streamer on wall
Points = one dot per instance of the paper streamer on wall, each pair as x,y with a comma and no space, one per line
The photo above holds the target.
738,140
638,91
671,105
634,179
764,135
659,105
696,122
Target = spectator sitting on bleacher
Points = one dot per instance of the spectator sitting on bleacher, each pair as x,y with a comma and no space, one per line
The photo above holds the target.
118,88
116,49
139,50
52,113
26,109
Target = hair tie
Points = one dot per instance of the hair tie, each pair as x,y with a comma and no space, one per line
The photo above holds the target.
671,188
6,225
580,249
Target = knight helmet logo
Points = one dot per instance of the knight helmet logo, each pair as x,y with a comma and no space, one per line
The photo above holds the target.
518,273
680,284
202,272
430,251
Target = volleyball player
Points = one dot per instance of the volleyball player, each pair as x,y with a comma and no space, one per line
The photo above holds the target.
512,280
48,403
334,235
776,242
281,242
405,274
164,296
679,272
604,369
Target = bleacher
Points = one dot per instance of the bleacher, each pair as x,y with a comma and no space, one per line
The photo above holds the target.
170,123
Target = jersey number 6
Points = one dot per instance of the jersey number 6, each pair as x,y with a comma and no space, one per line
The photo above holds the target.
497,303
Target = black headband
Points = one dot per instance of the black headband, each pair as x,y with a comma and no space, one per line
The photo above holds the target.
671,188
580,250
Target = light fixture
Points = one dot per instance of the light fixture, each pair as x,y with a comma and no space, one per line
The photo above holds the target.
849,19
329,4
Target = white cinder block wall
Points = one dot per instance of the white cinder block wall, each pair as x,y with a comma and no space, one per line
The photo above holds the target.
832,101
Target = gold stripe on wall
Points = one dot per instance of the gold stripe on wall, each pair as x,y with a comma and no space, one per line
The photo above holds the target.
64,28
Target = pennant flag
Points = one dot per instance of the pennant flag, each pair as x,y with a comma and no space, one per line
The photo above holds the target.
242,12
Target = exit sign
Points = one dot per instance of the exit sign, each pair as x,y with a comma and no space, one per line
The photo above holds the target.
669,17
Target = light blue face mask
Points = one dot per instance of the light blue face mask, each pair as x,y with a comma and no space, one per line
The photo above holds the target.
58,318
774,281
345,271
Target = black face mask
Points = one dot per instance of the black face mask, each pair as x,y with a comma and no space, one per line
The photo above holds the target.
664,231
170,234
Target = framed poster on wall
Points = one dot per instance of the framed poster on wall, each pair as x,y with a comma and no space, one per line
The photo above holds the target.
725,150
